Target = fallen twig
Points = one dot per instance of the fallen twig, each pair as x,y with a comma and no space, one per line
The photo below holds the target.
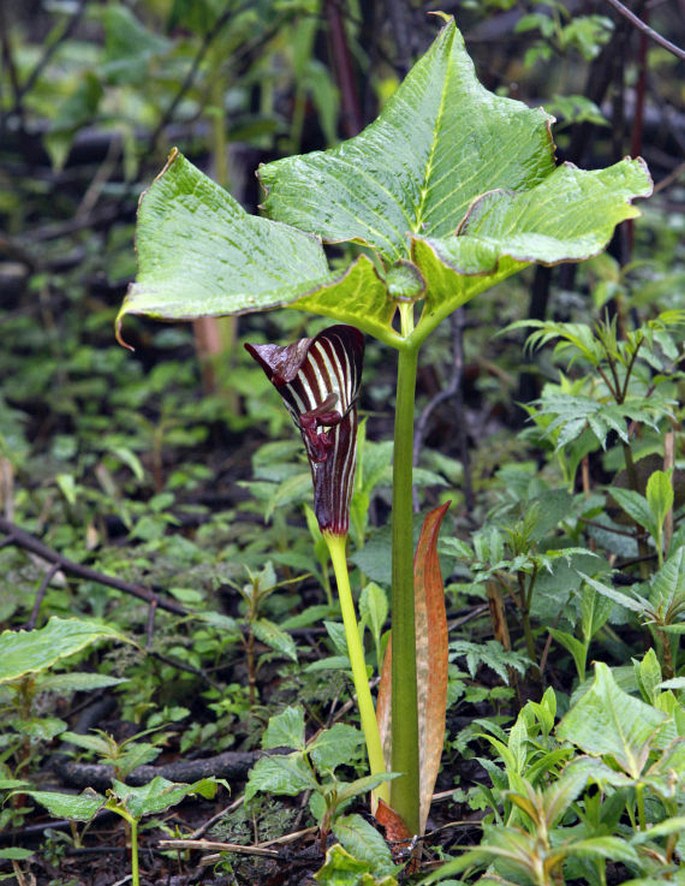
214,845
22,539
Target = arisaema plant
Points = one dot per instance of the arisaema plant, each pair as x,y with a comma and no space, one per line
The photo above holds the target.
449,192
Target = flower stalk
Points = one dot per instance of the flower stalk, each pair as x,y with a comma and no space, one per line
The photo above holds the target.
367,714
318,379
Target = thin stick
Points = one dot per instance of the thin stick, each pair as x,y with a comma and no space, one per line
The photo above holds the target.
236,804
47,578
645,29
670,178
22,539
224,847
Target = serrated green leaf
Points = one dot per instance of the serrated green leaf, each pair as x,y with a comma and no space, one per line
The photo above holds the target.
576,647
285,730
81,807
336,746
637,507
29,652
659,495
648,675
594,612
158,795
349,789
270,634
667,585
608,721
331,663
635,604
365,843
336,632
97,743
41,728
78,682
600,773
342,869
613,848
287,776
135,754
373,609
674,825
678,628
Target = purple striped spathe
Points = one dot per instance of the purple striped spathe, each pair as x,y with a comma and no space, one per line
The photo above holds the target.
318,379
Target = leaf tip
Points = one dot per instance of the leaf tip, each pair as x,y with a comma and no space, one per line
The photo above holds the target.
118,331
644,168
445,16
172,157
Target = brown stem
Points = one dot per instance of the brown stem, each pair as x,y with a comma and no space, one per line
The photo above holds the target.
629,370
667,653
40,595
353,120
645,29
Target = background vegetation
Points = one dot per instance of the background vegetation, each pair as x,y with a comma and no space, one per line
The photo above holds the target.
164,493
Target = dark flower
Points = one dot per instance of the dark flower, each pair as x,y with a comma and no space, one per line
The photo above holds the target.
318,379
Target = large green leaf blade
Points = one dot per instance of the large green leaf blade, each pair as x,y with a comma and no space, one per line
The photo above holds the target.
440,141
81,807
608,721
570,216
157,795
454,188
358,297
200,253
30,652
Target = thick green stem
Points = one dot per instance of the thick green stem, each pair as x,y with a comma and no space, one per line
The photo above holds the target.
336,547
405,727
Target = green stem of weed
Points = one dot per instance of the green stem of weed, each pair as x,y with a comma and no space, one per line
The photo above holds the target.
631,472
115,806
135,874
639,790
405,731
336,547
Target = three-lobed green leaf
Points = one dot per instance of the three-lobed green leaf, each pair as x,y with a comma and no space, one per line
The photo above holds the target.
452,189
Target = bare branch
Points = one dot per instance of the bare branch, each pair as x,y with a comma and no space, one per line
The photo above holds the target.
645,29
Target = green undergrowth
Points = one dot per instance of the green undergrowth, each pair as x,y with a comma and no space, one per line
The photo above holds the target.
588,571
